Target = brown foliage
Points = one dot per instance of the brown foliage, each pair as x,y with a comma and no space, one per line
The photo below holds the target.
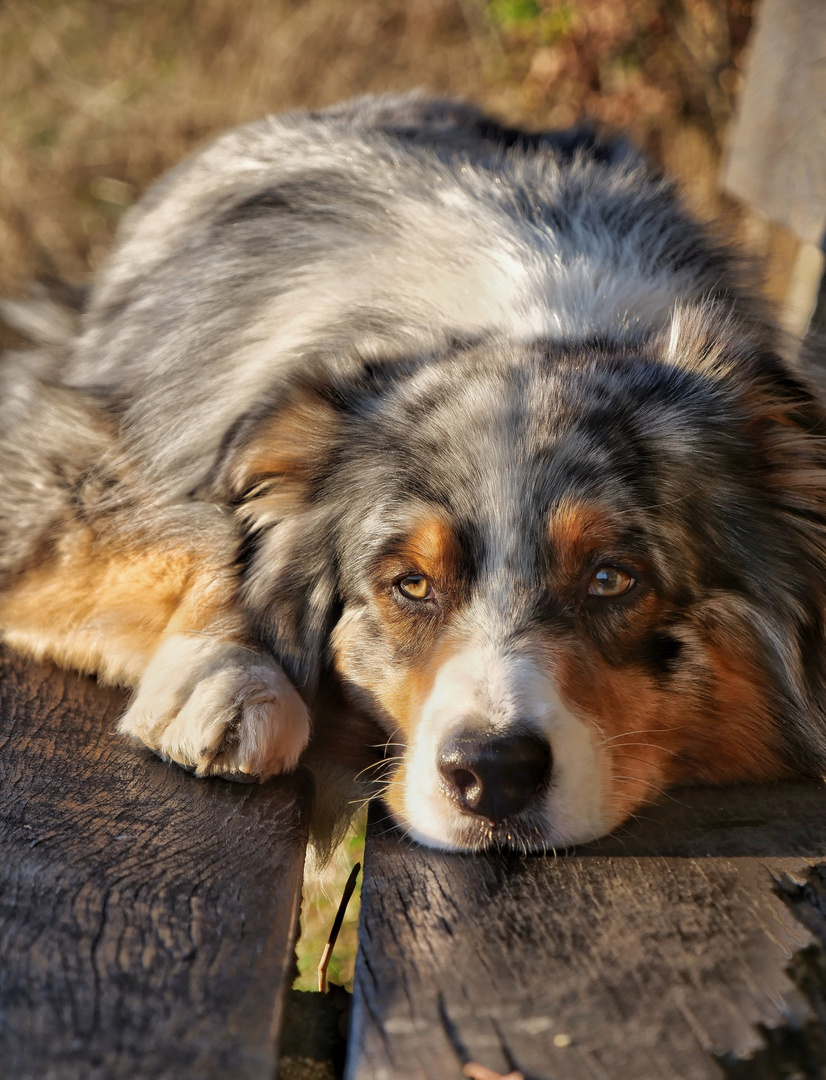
97,97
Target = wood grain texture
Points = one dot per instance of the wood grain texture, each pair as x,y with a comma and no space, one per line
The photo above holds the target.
147,919
777,154
653,951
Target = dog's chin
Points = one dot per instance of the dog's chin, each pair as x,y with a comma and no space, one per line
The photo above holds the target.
526,835
435,822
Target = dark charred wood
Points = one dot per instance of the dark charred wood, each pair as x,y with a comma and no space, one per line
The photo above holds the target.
655,953
147,918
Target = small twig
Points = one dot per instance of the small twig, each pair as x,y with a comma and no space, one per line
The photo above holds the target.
324,963
515,1073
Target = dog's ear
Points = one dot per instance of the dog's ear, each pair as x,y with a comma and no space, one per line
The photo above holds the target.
782,421
272,472
783,417
273,453
788,424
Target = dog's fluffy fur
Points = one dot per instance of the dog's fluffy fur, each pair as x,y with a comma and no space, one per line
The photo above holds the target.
391,342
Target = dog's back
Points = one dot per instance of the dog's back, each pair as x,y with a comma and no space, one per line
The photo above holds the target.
378,229
51,437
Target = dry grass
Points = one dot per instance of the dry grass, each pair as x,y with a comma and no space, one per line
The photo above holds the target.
98,97
322,894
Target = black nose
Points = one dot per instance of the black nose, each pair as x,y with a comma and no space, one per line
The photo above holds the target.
494,777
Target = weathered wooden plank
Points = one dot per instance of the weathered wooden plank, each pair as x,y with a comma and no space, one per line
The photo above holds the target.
147,919
777,154
652,951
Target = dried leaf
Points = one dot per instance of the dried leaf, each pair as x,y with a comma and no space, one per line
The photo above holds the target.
478,1072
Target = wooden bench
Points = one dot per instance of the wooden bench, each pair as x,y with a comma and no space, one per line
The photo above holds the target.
776,155
148,919
652,955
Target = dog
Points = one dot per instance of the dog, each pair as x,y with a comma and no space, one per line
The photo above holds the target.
391,414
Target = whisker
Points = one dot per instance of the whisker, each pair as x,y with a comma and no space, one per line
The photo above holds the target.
639,731
638,780
642,761
384,763
661,791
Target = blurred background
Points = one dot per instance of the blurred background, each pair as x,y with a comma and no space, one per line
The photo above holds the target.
98,97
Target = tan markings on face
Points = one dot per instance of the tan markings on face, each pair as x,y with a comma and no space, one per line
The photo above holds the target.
396,681
627,714
740,740
103,608
395,673
658,733
656,736
432,549
577,529
392,692
405,699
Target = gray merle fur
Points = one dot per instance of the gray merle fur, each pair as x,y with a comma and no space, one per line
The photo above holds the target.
439,284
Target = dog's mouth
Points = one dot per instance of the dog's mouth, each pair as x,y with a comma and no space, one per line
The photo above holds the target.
523,835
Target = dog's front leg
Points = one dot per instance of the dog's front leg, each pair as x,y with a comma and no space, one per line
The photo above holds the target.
219,707
210,700
165,620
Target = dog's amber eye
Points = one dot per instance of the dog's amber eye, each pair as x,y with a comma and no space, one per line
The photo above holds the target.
609,581
416,587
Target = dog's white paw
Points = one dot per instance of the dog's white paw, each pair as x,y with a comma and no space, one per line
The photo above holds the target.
218,708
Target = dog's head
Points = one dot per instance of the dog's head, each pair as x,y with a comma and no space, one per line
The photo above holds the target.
561,580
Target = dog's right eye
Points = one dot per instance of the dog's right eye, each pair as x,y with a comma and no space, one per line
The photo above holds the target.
416,587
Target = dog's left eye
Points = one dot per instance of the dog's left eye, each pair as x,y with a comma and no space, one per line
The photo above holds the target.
610,581
416,587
